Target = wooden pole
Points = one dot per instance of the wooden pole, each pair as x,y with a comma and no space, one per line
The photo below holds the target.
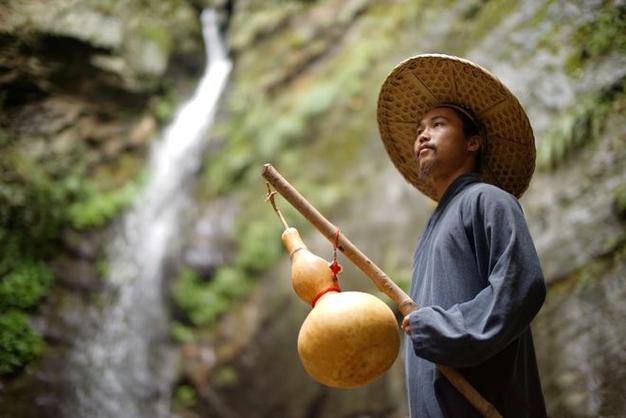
405,304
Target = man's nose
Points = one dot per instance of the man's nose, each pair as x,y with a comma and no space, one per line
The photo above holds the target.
422,137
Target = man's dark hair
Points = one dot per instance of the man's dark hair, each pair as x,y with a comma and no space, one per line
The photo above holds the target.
471,128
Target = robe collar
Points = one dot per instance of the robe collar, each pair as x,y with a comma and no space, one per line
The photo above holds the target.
455,188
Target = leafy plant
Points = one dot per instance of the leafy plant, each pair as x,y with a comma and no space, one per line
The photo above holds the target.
201,304
19,343
181,333
24,285
580,126
184,397
619,199
605,33
97,208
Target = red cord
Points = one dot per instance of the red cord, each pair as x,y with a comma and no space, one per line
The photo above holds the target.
335,267
323,292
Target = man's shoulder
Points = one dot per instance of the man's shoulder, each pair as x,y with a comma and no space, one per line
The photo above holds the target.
487,195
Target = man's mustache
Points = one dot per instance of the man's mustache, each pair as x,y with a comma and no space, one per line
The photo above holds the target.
421,147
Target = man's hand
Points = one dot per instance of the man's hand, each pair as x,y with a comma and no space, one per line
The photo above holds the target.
405,324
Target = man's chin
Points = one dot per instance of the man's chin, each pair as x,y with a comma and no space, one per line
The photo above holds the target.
425,169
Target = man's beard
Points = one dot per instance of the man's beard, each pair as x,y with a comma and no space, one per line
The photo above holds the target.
426,168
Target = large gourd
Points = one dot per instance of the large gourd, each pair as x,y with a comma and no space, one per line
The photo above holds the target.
349,338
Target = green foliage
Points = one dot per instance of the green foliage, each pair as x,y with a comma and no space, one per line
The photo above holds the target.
184,397
24,280
96,208
262,126
201,301
226,376
18,342
102,267
31,214
619,199
39,195
181,333
606,33
30,207
204,301
259,23
256,136
578,127
24,285
164,106
155,33
258,247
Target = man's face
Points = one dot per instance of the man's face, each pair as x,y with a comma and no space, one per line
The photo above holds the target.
440,145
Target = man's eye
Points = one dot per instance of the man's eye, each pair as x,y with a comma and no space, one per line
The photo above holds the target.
438,124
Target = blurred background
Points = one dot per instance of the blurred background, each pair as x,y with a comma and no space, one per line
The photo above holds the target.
141,271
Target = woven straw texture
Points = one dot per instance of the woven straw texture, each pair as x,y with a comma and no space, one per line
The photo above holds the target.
420,83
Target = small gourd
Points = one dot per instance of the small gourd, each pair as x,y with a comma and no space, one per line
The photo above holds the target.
349,338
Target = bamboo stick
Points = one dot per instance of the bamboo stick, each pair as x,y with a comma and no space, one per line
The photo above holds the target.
405,304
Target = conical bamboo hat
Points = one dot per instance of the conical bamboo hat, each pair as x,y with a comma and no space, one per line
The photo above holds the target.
423,82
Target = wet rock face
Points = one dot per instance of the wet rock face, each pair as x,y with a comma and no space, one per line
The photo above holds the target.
580,337
129,40
572,211
211,241
90,57
61,109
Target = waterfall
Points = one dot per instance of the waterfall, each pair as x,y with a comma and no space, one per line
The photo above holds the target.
122,365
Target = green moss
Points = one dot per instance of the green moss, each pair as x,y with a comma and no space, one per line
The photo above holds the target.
40,195
257,245
203,302
598,37
103,267
225,376
164,104
24,285
184,397
540,15
181,333
254,25
262,127
580,126
256,135
18,341
157,34
201,306
595,270
619,199
476,23
30,206
96,208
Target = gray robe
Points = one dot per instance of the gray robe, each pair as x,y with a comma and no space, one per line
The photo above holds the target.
478,282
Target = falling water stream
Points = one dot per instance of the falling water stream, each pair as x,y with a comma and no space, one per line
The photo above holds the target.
122,366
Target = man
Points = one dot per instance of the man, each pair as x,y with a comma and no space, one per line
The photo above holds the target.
462,138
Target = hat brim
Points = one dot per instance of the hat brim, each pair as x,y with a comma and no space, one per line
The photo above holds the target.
423,82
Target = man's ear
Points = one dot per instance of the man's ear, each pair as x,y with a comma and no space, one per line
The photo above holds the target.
474,143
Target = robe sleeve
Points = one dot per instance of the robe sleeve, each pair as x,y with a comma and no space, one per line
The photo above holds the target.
471,332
